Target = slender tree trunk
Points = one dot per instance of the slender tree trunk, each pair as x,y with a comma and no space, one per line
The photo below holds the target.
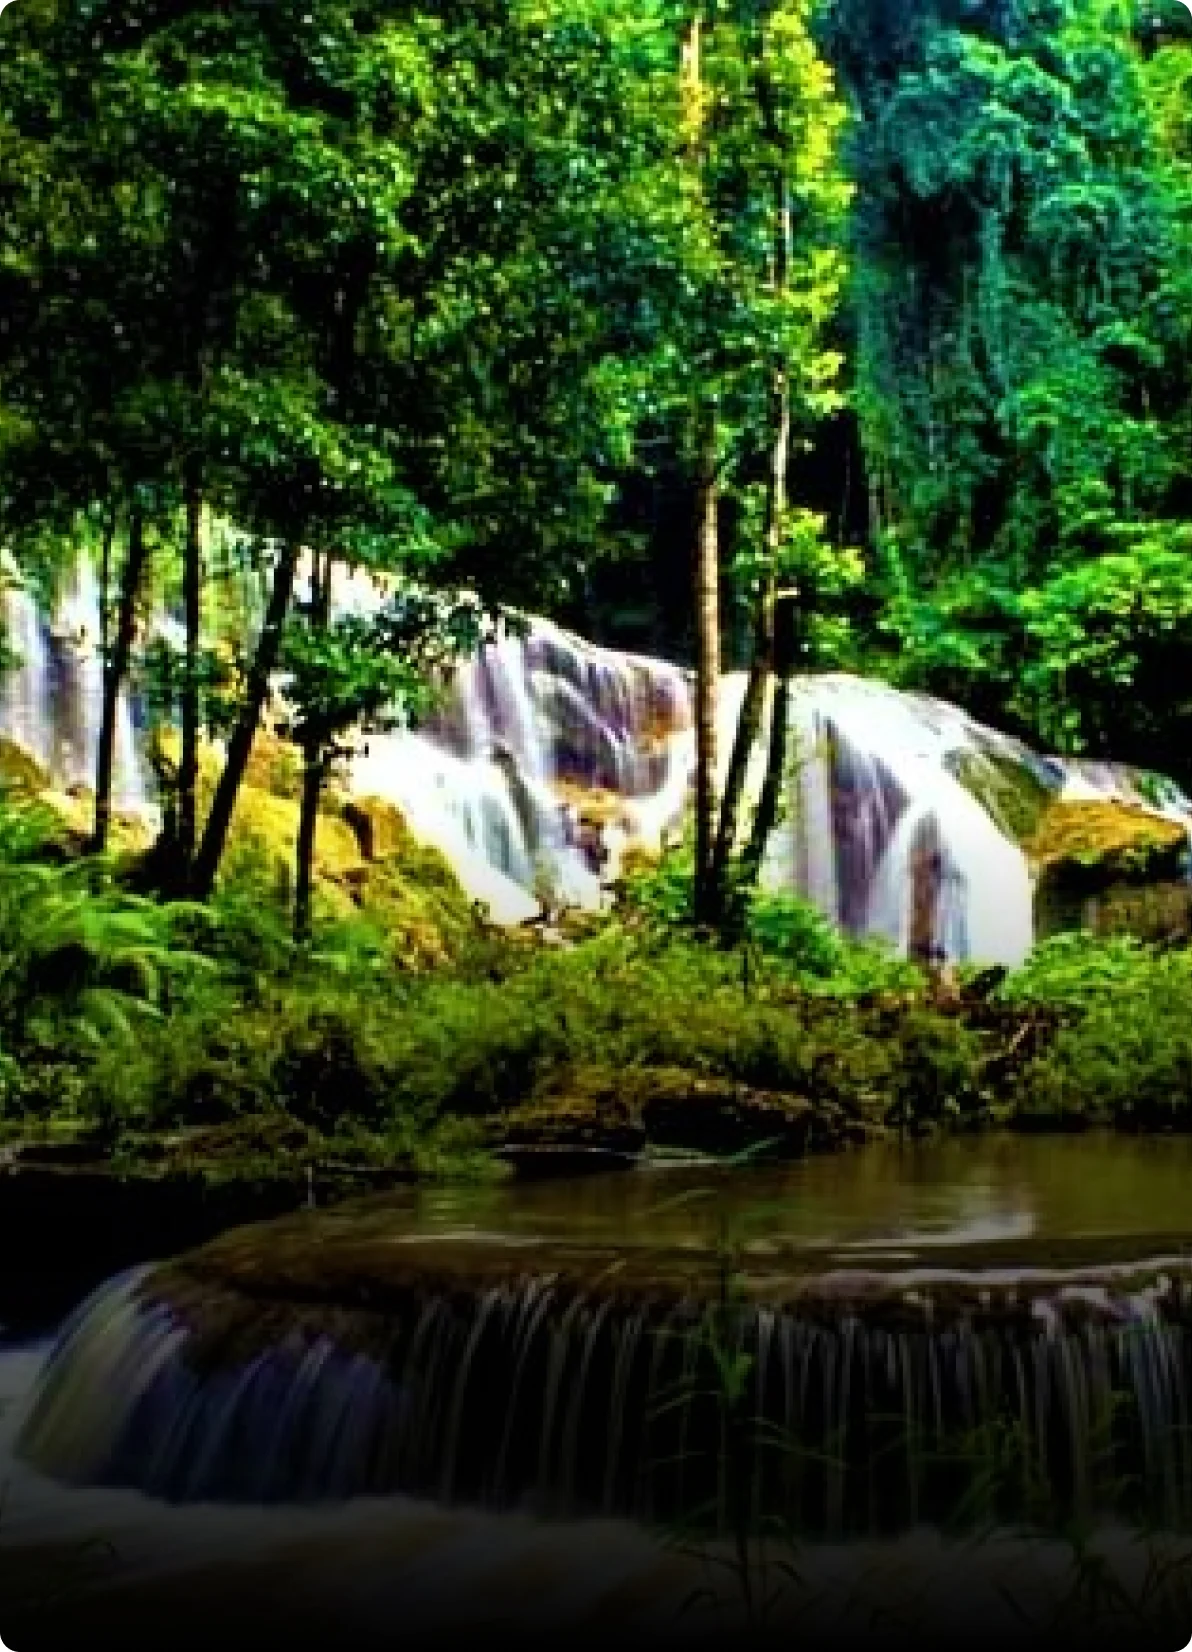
762,663
314,770
115,670
105,584
706,550
192,585
308,820
766,815
707,673
761,666
219,820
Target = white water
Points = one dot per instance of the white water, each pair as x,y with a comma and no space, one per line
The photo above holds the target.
52,700
549,757
26,687
546,757
885,838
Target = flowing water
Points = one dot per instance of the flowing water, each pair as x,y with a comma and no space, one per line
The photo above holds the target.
474,1405
907,1317
52,699
548,758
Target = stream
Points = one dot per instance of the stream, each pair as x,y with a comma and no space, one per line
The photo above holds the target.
150,1462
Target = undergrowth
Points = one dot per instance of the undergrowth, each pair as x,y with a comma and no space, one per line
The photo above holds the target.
122,1015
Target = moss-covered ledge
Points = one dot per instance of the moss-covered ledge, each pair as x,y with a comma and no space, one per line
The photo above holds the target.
1081,847
597,1110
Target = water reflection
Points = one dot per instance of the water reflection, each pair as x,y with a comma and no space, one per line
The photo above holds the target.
1006,1196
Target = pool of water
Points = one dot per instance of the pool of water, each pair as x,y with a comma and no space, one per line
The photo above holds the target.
983,1199
979,1209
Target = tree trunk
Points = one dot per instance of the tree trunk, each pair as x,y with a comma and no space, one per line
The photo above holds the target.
219,820
308,819
707,673
771,794
762,663
706,551
105,584
314,770
761,666
192,584
115,670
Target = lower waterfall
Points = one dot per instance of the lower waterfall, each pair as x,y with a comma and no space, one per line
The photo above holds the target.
871,1403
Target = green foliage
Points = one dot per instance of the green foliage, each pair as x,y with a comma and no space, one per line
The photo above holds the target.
1021,310
783,926
1077,971
1128,1060
83,964
1105,639
784,935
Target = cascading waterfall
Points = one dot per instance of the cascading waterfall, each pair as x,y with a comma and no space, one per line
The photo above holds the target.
894,825
882,1402
536,733
886,838
549,757
75,633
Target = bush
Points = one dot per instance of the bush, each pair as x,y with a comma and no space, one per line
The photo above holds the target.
1127,1060
1076,971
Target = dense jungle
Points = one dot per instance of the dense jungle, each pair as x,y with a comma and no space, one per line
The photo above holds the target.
595,817
776,339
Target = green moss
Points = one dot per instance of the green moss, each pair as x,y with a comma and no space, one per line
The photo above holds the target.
19,772
1086,846
1016,798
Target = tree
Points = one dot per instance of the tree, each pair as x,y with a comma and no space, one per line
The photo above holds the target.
348,674
794,145
1017,348
761,123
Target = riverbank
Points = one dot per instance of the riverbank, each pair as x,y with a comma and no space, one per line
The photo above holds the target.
173,1067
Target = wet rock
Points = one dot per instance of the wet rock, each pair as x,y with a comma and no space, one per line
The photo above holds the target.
379,827
618,1114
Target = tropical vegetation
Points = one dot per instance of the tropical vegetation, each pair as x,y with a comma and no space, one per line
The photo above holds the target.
773,335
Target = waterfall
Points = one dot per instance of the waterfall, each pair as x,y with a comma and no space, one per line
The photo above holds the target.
872,1403
25,698
548,758
77,696
535,735
894,821
52,701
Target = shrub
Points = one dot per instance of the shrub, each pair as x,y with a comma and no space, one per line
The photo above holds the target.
1127,1060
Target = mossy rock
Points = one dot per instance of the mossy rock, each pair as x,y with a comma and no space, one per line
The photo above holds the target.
578,1111
367,864
1017,799
273,822
405,887
379,827
1155,912
593,805
722,1115
1083,847
274,766
20,772
623,1111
